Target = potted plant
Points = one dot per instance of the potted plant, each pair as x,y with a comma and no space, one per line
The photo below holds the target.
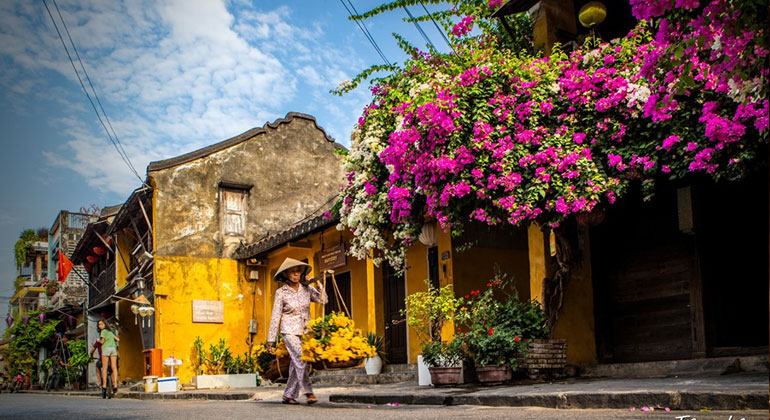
78,362
218,368
373,365
427,312
493,341
444,361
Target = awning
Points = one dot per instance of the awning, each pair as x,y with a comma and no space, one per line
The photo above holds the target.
77,331
126,291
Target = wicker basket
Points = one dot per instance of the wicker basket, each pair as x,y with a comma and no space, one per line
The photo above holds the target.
278,369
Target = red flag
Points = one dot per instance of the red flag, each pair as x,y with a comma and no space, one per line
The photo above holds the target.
65,265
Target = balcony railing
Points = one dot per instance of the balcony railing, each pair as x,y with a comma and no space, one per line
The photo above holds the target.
102,287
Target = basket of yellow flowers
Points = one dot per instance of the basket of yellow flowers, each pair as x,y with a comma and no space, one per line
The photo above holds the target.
333,342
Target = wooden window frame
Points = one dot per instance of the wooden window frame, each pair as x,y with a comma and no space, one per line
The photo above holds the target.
224,191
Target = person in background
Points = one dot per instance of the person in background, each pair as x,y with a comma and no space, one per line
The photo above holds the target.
98,346
109,344
291,312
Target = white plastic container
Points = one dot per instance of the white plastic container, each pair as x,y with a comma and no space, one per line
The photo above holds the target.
170,384
150,383
423,374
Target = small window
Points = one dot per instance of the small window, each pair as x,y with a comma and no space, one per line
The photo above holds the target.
233,212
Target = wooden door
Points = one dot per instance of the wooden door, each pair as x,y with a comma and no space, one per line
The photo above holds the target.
334,304
646,282
394,288
433,267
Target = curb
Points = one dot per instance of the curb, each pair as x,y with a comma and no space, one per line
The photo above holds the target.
673,400
136,395
230,396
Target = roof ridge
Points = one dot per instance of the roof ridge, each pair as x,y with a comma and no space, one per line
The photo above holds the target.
205,151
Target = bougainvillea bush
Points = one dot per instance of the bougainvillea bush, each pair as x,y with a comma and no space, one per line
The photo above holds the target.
499,135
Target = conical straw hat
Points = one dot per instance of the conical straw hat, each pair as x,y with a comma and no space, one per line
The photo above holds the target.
290,263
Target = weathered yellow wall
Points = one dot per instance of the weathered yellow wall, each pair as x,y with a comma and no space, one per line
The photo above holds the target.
131,360
131,356
180,280
576,318
475,267
416,273
538,258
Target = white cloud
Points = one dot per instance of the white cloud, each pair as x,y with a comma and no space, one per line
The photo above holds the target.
173,75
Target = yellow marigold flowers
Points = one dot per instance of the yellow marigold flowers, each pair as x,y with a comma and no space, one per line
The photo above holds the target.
334,338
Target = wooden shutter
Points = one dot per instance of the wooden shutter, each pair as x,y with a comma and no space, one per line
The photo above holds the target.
234,214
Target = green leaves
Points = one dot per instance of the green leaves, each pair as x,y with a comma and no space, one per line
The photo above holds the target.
427,311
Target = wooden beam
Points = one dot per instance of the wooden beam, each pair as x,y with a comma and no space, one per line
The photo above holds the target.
146,219
303,244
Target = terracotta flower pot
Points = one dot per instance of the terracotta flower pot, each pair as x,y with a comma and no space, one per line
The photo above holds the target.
493,375
444,376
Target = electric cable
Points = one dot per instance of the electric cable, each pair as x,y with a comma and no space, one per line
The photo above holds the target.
440,31
93,90
363,29
419,28
82,85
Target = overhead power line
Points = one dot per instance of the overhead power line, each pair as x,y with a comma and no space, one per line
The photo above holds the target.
419,28
111,135
440,31
363,29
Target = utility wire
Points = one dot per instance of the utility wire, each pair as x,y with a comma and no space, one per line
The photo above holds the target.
93,90
419,28
82,85
364,30
440,31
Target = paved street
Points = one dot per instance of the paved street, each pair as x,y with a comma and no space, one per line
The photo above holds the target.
37,407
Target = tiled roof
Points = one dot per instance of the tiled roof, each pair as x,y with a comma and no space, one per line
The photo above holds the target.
197,154
273,241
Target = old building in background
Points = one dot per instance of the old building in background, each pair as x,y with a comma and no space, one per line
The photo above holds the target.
170,274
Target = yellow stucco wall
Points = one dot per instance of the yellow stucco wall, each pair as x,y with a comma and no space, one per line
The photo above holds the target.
180,280
576,318
131,360
538,269
474,268
416,273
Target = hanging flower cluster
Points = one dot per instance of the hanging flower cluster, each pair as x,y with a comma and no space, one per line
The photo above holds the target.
493,135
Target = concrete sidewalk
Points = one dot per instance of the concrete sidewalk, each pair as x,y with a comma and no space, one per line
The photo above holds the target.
728,392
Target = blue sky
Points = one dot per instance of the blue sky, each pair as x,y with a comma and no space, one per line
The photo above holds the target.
173,76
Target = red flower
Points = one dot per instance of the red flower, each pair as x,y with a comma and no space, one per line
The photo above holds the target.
458,329
489,284
490,331
496,283
467,297
516,339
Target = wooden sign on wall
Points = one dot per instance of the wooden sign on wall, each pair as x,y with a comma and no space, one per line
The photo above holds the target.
209,311
332,257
